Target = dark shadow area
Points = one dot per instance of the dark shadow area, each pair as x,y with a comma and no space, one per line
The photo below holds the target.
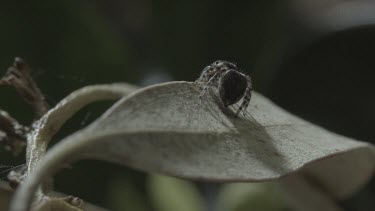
331,83
247,131
292,49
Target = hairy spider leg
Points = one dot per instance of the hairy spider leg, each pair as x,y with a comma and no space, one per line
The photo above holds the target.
217,74
247,97
208,84
207,73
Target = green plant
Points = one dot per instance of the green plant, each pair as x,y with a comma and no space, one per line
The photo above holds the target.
167,129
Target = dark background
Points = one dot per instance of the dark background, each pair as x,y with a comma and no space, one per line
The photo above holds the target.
313,58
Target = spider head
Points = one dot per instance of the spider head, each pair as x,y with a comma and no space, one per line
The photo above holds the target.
224,64
232,86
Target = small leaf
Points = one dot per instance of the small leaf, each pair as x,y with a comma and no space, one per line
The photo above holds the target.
170,194
167,129
126,195
251,196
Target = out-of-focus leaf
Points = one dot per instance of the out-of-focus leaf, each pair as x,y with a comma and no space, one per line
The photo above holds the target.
328,16
167,129
5,195
124,194
251,196
170,194
303,194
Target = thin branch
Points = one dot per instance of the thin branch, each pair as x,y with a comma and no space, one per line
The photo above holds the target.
51,162
12,134
18,76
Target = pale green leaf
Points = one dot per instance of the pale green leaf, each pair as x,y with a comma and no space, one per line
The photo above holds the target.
167,129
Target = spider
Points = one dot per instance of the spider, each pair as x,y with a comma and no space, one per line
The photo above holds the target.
231,83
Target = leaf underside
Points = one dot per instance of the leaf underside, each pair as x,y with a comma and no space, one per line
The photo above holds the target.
167,129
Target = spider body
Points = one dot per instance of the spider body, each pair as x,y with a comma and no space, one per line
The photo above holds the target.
232,87
231,83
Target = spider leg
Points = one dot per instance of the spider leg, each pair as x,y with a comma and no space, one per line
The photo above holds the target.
207,73
211,80
247,97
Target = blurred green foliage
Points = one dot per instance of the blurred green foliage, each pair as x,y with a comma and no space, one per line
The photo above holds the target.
70,44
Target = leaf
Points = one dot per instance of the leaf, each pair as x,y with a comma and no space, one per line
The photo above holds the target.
5,195
302,194
166,129
251,196
126,195
170,194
